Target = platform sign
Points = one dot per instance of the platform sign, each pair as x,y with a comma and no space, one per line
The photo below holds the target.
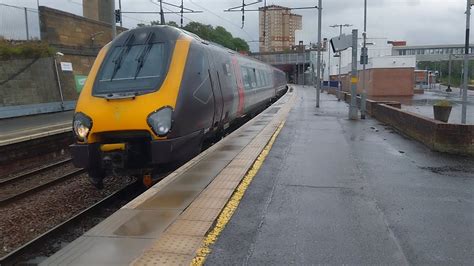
66,66
80,81
341,43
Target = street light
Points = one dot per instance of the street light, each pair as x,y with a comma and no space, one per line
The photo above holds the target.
57,56
113,21
340,26
318,66
364,60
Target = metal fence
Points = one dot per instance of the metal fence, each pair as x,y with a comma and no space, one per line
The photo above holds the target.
283,58
19,23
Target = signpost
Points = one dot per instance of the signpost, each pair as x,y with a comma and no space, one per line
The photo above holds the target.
66,66
340,44
80,80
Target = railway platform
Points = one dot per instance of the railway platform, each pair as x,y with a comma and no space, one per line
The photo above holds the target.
14,130
296,185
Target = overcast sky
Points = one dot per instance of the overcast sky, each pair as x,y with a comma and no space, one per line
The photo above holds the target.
416,21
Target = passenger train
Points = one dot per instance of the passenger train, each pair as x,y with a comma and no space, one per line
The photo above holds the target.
155,94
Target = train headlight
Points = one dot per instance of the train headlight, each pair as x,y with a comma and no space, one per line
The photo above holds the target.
82,125
160,121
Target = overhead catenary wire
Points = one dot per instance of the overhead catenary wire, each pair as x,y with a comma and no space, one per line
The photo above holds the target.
182,10
221,17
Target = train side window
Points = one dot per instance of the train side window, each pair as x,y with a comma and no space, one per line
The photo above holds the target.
259,78
264,77
226,68
253,78
246,78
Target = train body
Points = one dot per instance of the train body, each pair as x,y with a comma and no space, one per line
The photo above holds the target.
154,94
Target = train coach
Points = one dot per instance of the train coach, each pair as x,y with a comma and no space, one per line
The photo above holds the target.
155,94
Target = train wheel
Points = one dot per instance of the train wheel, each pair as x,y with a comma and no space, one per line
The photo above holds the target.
96,177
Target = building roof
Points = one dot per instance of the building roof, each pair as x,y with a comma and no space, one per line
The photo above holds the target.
274,7
430,46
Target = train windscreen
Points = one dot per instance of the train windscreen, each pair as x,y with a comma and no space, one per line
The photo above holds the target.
133,68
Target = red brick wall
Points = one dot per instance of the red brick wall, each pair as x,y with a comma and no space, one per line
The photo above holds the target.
438,136
391,82
384,82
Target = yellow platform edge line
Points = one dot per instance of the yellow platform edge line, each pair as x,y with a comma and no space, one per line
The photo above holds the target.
233,203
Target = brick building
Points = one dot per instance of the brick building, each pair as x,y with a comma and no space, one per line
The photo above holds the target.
100,10
277,28
384,76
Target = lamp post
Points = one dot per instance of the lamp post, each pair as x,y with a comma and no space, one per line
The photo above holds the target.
120,8
114,25
364,61
466,62
339,86
329,64
318,66
57,58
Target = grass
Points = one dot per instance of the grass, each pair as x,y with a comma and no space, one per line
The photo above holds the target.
22,50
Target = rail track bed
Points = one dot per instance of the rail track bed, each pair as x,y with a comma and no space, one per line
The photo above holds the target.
31,216
30,182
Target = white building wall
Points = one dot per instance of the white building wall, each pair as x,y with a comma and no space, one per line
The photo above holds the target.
378,48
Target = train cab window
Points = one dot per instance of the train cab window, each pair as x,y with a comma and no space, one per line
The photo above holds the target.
133,68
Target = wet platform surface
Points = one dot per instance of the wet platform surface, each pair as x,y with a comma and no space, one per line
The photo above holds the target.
23,128
167,223
335,191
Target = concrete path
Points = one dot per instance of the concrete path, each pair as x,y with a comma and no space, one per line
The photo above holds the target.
334,191
28,125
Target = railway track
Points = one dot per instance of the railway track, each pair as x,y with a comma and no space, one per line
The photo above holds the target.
32,181
31,251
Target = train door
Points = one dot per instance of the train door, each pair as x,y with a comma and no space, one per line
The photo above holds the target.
250,85
216,88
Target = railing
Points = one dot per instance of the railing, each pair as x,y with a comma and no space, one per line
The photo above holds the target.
283,58
19,23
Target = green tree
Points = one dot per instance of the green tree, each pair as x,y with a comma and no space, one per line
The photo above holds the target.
218,35
241,45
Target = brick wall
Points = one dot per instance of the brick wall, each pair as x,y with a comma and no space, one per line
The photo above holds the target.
31,81
62,28
81,65
35,89
391,82
438,136
383,82
72,35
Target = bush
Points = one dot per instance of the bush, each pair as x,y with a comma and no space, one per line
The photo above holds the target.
10,50
443,103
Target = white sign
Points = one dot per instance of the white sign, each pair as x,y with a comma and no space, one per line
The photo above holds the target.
66,66
341,43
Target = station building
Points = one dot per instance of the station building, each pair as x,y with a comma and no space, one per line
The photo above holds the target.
431,52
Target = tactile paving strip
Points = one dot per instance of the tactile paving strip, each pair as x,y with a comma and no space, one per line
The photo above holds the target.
178,244
182,239
190,228
200,214
160,258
